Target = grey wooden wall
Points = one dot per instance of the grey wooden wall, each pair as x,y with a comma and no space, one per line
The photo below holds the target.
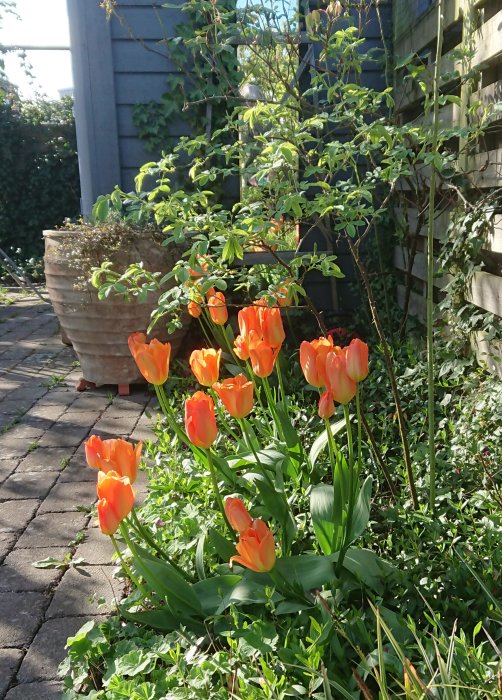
117,64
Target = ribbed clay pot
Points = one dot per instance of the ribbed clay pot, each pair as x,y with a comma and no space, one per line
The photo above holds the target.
99,329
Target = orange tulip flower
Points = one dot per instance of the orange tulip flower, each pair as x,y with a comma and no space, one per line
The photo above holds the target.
152,358
205,364
236,395
357,360
263,358
200,420
256,547
116,499
114,455
217,307
340,385
241,347
313,360
326,406
283,296
249,320
271,326
194,309
237,515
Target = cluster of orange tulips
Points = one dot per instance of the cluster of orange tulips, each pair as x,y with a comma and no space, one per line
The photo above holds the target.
117,464
336,370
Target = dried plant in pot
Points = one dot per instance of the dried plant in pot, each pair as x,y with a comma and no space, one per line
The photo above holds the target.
98,329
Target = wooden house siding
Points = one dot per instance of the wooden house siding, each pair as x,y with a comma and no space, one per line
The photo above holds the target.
117,64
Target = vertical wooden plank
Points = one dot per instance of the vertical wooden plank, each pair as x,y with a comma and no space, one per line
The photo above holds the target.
95,108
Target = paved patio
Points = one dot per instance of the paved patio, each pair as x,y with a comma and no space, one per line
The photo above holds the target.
46,493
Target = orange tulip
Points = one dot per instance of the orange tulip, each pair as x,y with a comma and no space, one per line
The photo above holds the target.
313,360
249,320
237,515
194,309
256,547
152,358
271,326
357,360
241,347
340,385
205,364
263,358
200,420
113,455
326,406
283,296
116,499
236,395
217,307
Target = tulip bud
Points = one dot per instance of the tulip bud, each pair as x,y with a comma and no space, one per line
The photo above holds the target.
113,455
151,358
237,515
236,394
256,547
217,307
249,320
205,364
326,406
313,356
357,360
340,385
200,420
263,358
241,348
116,499
271,326
194,309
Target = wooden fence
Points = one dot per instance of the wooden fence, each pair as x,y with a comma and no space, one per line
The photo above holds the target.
475,25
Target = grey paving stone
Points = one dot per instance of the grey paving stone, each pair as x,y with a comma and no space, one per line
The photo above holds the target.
7,467
78,471
96,549
43,690
64,435
58,397
52,530
48,411
45,459
90,402
20,617
112,427
23,485
68,496
15,515
27,431
13,448
17,573
9,662
81,589
7,542
48,649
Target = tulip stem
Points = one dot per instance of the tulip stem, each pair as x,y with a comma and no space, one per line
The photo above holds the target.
221,415
216,490
166,410
147,536
256,387
281,383
359,430
271,405
126,566
203,322
350,508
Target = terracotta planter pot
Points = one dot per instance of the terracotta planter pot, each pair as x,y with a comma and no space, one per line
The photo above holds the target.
98,330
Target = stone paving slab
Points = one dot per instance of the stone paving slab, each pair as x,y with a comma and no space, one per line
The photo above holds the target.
24,485
84,588
43,690
20,617
17,573
43,480
15,515
48,649
45,458
52,530
9,662
69,496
